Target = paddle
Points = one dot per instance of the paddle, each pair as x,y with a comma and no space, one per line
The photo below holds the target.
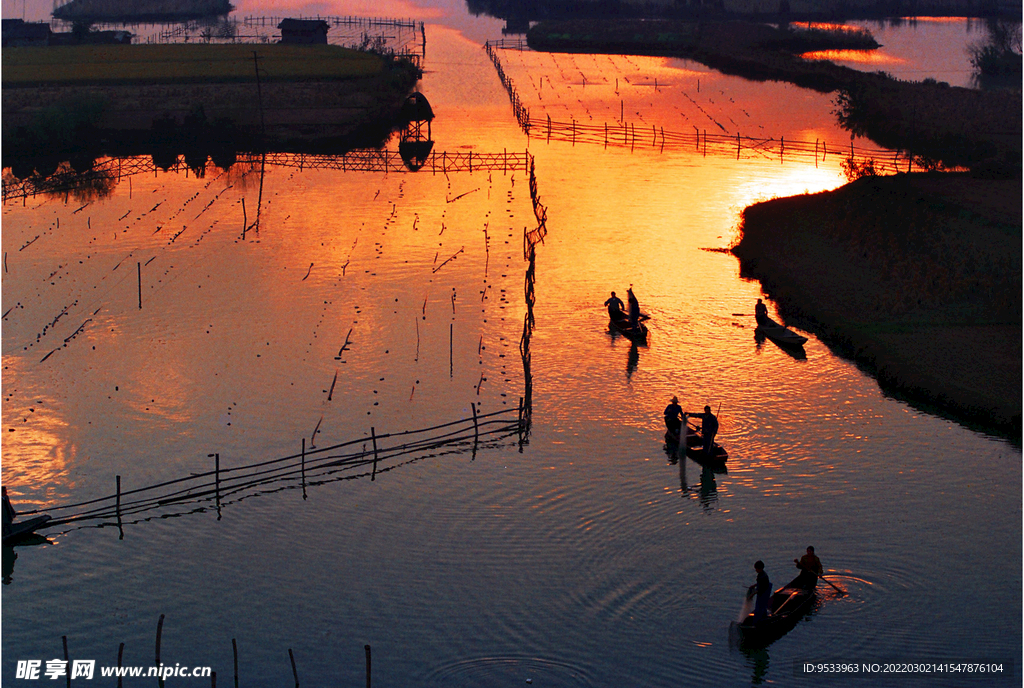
820,577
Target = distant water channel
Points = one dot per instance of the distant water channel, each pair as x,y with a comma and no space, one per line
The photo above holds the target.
583,556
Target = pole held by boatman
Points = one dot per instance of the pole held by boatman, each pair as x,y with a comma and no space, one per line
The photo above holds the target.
708,428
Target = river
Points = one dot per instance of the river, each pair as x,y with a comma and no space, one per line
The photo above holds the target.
146,338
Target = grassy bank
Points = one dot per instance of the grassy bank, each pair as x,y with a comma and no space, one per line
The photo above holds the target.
916,277
140,10
937,123
124,64
75,101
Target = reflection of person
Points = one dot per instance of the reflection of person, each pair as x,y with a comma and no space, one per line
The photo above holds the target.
634,308
673,421
761,313
8,512
615,307
810,569
708,428
763,589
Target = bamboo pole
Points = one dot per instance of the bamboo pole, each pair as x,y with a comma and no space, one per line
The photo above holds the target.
373,437
159,633
295,672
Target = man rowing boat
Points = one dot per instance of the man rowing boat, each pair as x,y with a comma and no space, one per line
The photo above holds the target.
673,420
810,569
615,308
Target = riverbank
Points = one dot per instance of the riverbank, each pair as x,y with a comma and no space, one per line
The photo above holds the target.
915,277
128,11
940,125
90,100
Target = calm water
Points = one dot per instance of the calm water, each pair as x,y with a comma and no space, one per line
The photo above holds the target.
588,558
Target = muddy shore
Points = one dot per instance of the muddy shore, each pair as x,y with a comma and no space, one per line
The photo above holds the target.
915,277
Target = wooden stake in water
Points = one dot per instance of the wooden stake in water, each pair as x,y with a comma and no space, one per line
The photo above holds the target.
373,436
476,428
216,479
451,350
67,660
367,649
140,284
120,655
159,633
303,467
234,651
295,672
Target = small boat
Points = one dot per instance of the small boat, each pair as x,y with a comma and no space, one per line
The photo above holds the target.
787,605
636,334
695,446
22,529
780,334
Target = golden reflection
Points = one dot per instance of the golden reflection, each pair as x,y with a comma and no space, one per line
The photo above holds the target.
36,454
868,57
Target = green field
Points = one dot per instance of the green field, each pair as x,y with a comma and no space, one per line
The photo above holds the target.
98,64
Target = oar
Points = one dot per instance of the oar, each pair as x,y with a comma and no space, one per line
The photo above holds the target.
822,577
831,583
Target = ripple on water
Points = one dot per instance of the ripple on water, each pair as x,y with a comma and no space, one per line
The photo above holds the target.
510,670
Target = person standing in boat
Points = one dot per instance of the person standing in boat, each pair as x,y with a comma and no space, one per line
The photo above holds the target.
615,307
708,428
673,418
634,308
810,569
762,587
761,313
8,512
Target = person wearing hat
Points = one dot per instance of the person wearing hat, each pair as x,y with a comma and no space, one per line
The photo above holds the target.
673,419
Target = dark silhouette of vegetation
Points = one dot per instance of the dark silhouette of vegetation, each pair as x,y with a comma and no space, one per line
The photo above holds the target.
140,10
1001,55
522,12
916,277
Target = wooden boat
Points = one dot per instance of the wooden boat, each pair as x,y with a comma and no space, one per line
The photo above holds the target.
787,605
695,446
781,335
22,529
636,334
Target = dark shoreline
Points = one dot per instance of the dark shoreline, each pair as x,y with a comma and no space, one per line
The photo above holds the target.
916,278
308,109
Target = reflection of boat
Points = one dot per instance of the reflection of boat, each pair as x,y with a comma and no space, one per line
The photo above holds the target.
781,335
787,605
636,334
21,530
695,447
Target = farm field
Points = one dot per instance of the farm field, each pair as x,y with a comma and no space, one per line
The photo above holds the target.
90,64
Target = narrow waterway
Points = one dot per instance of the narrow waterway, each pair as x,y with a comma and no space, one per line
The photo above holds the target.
144,335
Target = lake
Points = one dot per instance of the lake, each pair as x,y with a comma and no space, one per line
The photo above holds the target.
156,332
